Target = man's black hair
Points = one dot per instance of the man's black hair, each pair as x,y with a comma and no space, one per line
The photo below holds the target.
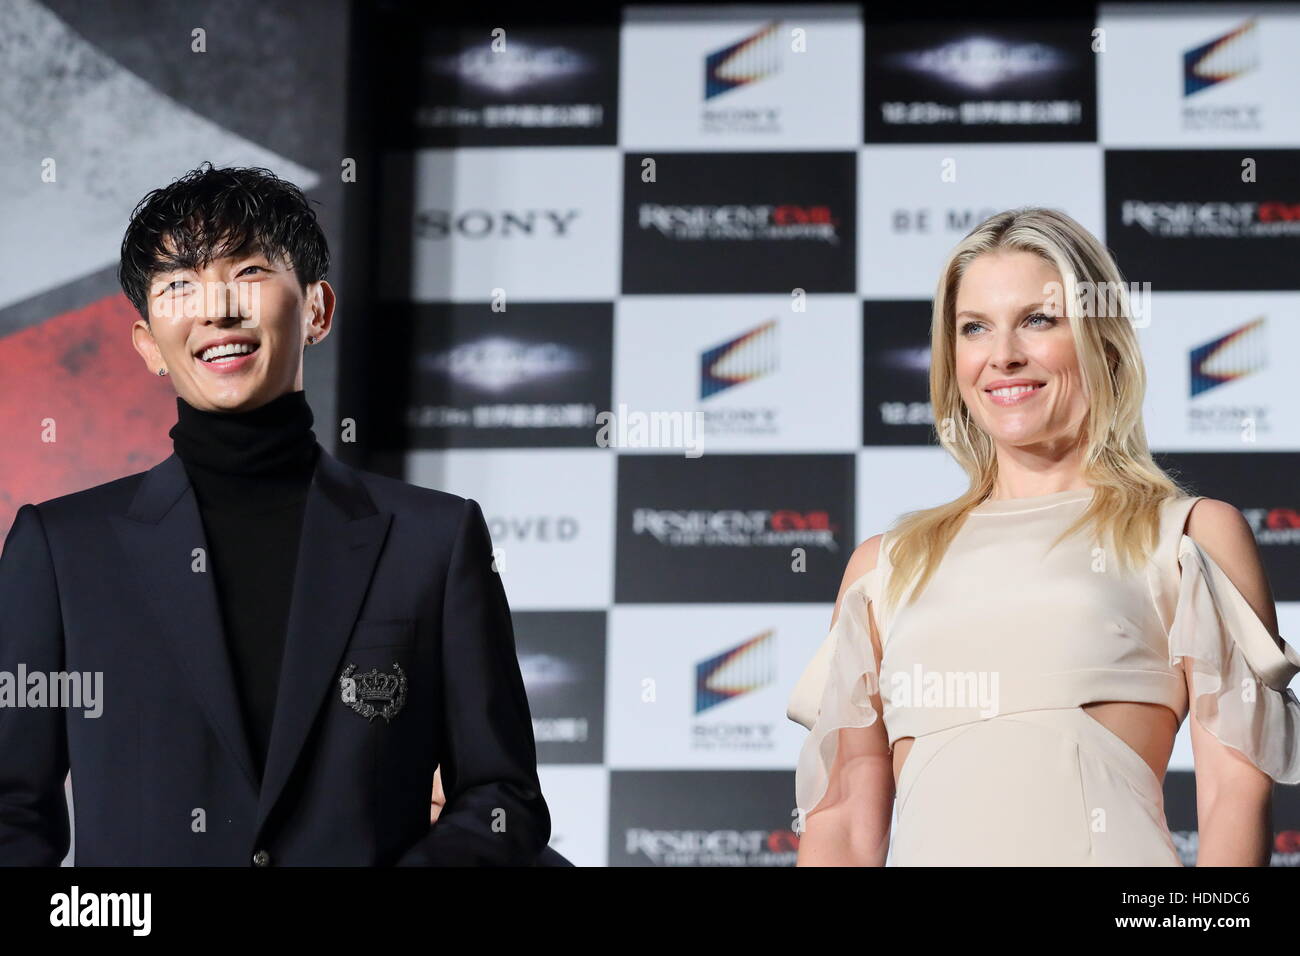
211,213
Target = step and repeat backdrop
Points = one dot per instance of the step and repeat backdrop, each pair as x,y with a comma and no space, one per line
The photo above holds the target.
657,295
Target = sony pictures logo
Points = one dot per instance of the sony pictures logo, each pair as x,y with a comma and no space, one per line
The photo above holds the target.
1224,58
744,358
747,61
1237,354
746,668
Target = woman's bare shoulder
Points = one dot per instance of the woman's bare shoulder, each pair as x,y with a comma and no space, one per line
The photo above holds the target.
863,560
1226,536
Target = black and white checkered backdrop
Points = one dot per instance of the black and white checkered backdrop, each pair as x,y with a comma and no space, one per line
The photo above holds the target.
661,292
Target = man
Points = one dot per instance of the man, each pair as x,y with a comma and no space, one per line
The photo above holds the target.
289,647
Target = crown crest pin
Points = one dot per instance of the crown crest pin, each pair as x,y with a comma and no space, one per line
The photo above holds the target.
374,693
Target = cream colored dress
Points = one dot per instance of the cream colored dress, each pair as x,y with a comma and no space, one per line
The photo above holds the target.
989,667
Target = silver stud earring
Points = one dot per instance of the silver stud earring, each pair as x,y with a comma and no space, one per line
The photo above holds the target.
162,371
311,340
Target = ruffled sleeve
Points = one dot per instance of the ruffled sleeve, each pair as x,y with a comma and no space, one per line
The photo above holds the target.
835,690
1240,676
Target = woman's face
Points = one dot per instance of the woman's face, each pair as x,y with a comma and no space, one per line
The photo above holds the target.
248,298
1012,331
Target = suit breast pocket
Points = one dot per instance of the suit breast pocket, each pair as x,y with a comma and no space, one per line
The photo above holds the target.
382,688
395,633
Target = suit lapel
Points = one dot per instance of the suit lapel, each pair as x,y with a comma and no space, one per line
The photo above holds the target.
342,536
159,533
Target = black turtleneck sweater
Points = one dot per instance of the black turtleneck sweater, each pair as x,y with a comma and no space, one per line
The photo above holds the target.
250,472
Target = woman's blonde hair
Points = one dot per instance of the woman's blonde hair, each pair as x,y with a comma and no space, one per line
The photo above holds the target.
1129,486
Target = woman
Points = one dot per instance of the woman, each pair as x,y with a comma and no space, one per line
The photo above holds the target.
1034,645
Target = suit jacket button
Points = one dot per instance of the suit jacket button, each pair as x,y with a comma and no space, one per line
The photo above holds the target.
261,858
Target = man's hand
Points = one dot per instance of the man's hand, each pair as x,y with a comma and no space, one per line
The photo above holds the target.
439,798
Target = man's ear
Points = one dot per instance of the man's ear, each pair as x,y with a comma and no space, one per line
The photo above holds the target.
320,301
142,339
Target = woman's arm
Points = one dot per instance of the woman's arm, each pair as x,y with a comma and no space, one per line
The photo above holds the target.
850,825
1233,796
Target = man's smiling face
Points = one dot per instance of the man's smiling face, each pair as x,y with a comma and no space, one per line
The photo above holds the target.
231,331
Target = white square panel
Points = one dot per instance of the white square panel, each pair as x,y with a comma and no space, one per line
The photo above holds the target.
707,685
917,202
737,78
1183,76
1219,375
550,514
538,224
761,376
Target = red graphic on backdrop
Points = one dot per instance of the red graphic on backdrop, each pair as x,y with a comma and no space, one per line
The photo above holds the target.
111,416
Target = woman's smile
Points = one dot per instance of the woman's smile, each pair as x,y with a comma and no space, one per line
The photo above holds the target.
1012,395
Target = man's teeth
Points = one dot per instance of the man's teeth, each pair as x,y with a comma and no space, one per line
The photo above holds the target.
238,348
1014,390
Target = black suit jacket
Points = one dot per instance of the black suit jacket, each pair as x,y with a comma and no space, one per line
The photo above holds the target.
391,578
